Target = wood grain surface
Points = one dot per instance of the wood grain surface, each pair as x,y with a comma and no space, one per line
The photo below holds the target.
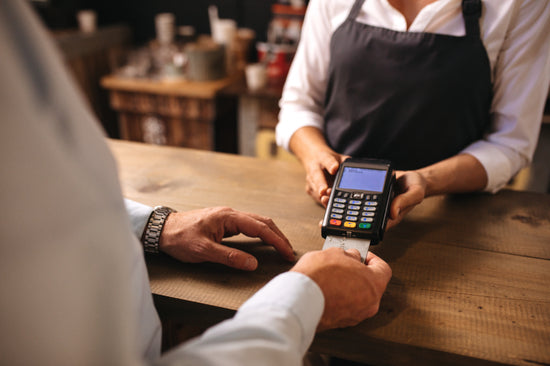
471,273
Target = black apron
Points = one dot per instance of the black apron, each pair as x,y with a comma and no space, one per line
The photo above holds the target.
413,98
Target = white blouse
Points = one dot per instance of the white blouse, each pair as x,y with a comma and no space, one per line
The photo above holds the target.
516,35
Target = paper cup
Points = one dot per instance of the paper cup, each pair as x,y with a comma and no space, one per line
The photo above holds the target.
256,76
87,21
224,31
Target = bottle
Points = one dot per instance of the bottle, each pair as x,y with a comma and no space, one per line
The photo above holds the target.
168,59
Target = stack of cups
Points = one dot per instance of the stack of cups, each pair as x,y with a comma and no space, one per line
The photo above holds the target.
165,27
224,32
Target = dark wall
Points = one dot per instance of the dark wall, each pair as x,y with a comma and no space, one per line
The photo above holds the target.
139,14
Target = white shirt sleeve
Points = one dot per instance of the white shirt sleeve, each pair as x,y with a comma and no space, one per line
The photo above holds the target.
139,215
274,327
75,273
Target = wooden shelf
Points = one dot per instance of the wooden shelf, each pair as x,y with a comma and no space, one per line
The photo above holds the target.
180,88
180,113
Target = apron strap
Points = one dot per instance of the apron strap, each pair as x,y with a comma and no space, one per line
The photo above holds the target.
354,12
471,10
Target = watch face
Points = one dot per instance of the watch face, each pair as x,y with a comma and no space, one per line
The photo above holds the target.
163,209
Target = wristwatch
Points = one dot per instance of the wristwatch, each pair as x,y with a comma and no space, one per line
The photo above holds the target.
153,229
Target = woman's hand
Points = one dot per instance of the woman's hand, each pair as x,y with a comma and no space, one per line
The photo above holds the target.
320,172
410,190
319,160
458,174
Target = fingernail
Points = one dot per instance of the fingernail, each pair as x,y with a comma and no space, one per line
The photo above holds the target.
250,264
292,256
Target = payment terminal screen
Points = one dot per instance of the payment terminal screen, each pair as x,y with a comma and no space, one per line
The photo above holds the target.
363,179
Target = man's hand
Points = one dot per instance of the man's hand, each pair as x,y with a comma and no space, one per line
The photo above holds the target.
352,289
195,236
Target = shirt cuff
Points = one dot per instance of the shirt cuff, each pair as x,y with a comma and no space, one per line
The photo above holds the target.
297,294
291,121
139,215
499,163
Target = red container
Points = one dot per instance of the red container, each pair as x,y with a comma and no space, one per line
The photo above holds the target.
277,58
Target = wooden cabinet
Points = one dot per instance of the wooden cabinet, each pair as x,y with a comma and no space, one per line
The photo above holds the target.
89,57
182,113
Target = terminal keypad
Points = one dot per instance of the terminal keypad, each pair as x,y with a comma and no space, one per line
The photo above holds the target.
353,210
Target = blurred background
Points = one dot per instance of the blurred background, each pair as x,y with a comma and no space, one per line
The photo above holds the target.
138,14
205,74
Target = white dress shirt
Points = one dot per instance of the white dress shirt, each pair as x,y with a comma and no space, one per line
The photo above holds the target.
516,35
72,274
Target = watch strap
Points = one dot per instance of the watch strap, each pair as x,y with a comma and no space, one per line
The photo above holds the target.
153,229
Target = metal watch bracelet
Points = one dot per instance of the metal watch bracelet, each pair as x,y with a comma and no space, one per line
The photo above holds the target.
153,229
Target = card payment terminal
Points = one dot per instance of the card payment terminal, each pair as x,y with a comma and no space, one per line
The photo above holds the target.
359,204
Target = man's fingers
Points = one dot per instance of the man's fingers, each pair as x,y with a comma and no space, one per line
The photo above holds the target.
269,222
264,228
378,265
231,257
354,253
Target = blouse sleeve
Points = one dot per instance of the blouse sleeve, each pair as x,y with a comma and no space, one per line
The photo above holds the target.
521,78
304,91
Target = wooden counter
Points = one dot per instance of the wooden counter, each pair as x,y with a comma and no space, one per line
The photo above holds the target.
471,273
